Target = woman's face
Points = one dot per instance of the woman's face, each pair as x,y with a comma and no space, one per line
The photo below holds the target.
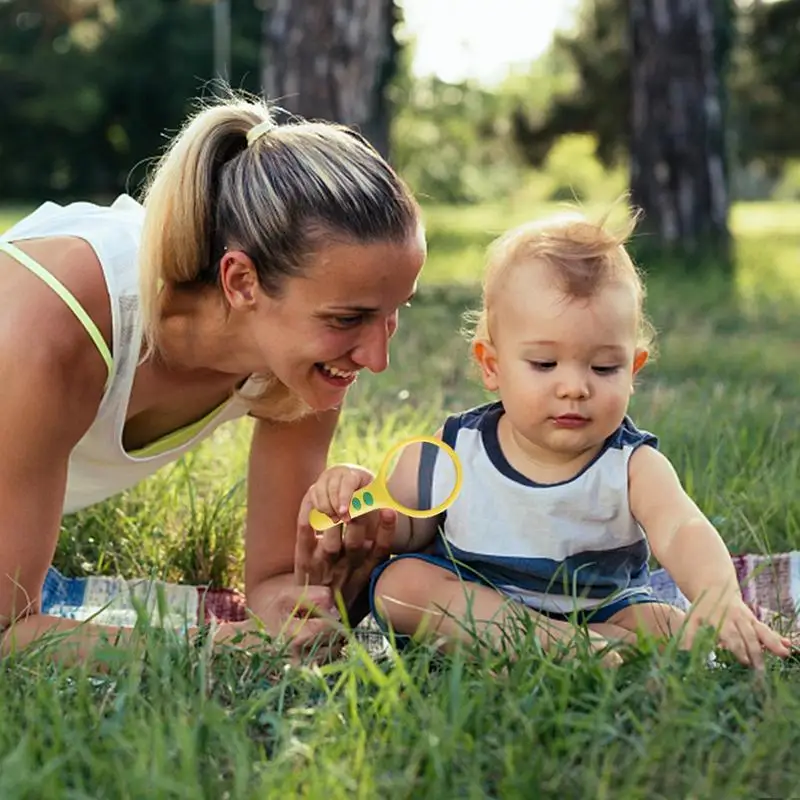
337,319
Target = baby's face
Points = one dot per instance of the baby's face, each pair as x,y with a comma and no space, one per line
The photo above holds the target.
563,367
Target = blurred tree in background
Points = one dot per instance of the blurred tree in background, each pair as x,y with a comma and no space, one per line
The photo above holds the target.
88,88
765,88
332,59
763,84
449,141
596,100
678,155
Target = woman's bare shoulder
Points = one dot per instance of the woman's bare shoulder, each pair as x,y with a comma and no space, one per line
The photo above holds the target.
39,332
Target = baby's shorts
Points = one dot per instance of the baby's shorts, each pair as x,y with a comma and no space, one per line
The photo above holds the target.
580,616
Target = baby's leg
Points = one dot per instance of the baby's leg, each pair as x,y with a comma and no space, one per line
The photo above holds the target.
418,598
660,620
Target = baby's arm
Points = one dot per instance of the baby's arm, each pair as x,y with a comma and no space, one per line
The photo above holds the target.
688,546
412,534
685,543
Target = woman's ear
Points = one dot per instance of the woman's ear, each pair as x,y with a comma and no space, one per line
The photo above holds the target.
238,280
486,356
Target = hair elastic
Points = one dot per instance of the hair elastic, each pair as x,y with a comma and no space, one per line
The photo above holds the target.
257,131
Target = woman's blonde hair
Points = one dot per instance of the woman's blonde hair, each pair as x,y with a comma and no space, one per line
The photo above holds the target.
582,255
277,197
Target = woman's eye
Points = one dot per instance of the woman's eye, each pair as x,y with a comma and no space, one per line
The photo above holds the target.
606,370
349,321
543,366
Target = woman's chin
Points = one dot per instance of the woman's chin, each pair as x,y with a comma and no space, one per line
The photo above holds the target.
322,393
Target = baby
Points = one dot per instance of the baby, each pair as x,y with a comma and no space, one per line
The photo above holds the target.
563,497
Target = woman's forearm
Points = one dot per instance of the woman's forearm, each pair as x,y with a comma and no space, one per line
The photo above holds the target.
276,599
70,640
263,596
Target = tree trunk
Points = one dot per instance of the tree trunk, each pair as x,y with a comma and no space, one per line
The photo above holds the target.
332,60
678,158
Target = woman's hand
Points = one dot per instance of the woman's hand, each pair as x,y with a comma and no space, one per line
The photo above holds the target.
302,619
341,558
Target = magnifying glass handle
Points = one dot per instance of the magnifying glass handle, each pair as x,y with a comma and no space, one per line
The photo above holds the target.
319,521
364,500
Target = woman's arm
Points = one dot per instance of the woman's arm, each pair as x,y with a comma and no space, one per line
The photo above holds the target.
288,576
285,459
52,377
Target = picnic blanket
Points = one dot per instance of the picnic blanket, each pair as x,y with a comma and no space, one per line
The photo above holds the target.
120,601
770,586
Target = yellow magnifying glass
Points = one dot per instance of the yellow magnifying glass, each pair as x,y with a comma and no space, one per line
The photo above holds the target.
438,491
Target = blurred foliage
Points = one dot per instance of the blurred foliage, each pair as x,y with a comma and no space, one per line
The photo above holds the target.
765,84
455,143
762,82
89,90
449,142
789,186
595,56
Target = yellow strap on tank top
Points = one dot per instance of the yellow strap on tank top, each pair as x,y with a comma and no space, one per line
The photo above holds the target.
176,439
67,296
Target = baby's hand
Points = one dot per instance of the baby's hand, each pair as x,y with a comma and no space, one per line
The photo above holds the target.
334,489
740,631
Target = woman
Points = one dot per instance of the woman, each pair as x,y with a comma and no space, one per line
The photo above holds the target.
264,270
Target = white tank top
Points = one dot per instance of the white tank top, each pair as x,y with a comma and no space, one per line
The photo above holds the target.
99,466
555,547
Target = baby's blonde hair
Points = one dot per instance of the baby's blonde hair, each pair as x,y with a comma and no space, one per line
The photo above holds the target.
582,255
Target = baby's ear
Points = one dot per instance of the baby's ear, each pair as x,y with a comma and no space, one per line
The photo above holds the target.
639,359
486,356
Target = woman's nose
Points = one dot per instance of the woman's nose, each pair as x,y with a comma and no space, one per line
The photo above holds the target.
372,352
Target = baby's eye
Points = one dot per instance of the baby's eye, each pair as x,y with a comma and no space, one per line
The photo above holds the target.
543,366
609,370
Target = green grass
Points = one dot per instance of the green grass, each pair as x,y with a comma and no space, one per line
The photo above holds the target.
724,398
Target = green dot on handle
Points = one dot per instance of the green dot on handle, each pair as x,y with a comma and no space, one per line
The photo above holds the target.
356,504
368,498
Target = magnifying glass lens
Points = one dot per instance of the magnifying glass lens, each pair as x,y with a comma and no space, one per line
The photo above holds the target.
434,480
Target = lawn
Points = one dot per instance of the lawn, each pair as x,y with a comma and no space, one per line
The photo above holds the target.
724,397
